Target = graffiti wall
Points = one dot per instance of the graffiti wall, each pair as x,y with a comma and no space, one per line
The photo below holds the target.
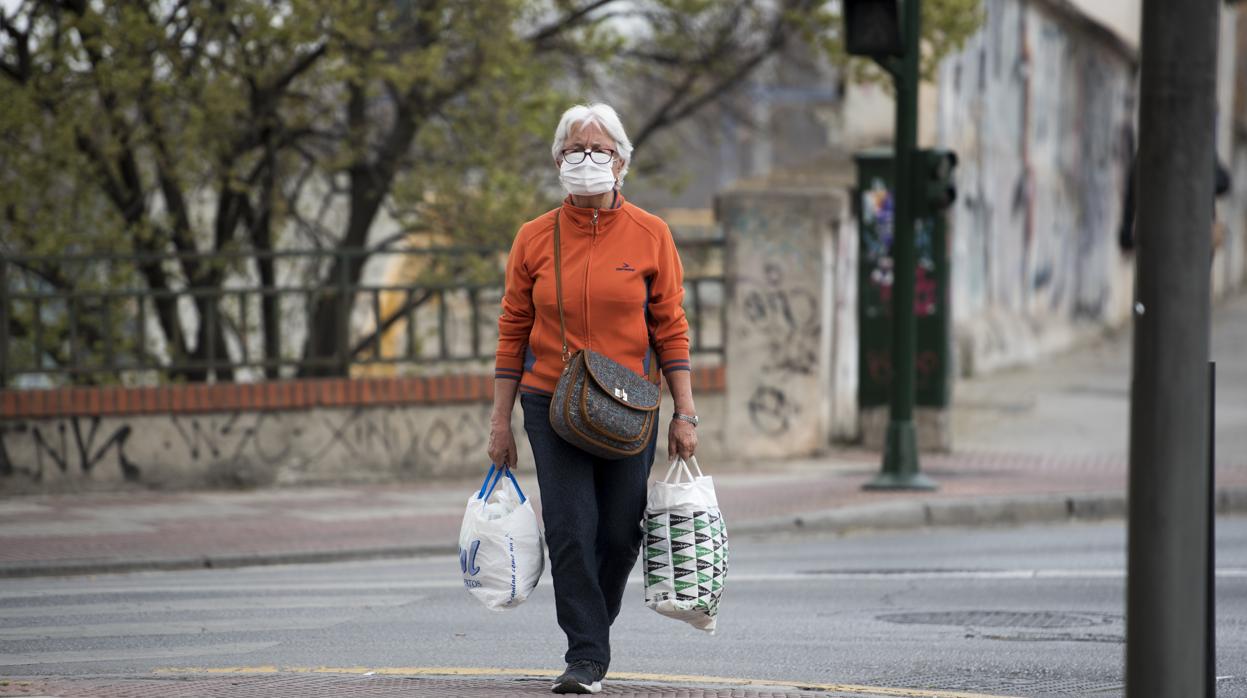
1039,106
242,448
269,447
781,354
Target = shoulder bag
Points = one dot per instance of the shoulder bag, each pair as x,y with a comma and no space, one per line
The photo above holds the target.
600,406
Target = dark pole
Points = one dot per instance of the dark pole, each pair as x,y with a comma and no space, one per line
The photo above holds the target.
900,455
1210,653
1168,547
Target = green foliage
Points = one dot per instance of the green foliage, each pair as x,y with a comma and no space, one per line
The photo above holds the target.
243,126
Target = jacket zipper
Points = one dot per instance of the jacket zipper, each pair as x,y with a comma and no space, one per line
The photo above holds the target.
588,266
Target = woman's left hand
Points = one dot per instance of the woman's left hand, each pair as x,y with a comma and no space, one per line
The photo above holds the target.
681,439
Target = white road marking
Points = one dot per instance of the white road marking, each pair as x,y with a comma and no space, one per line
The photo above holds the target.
121,655
186,627
229,603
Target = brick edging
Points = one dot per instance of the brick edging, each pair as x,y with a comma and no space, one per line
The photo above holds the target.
276,395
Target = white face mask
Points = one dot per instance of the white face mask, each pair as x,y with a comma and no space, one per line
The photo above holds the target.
587,178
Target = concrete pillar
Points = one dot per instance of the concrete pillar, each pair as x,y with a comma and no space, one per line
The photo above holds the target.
781,398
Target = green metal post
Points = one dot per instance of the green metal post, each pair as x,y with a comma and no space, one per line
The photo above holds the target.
900,455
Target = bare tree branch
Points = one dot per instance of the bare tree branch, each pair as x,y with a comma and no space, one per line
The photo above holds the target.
544,34
22,71
681,105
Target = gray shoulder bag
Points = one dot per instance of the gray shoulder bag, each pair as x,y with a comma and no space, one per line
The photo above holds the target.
599,406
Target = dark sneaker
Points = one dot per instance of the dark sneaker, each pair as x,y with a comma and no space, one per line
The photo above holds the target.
582,676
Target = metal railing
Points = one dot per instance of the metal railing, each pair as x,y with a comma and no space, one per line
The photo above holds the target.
240,316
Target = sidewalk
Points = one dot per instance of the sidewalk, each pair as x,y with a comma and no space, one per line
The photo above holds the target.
1043,444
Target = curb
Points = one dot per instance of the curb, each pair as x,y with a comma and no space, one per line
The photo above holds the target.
892,515
64,568
972,511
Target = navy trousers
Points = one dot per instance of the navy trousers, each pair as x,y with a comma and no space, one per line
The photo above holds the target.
592,510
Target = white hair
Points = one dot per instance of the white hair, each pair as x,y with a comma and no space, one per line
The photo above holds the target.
601,114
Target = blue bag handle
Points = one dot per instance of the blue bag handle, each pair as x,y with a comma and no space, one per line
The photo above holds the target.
485,484
497,473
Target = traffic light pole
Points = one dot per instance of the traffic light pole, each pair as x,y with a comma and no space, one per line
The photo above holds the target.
900,456
1166,641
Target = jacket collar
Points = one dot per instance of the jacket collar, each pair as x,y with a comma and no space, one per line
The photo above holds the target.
581,219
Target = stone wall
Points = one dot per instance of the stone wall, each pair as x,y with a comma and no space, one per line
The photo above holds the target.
248,435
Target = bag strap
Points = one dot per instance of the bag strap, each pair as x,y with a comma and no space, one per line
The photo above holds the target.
679,468
491,481
485,495
488,474
558,285
516,484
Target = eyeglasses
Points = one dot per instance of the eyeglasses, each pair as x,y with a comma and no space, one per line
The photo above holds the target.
575,157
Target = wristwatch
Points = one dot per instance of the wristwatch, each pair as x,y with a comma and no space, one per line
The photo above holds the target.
691,419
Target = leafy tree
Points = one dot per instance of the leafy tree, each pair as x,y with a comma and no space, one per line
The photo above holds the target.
242,128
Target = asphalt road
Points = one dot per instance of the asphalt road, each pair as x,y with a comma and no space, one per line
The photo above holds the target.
1032,611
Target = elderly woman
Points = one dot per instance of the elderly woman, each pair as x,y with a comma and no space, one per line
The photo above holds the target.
622,293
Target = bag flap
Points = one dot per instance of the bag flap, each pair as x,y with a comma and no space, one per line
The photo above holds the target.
625,386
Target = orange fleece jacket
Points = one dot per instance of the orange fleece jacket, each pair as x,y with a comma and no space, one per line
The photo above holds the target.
623,289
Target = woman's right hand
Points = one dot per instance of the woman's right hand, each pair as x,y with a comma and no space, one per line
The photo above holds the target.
502,445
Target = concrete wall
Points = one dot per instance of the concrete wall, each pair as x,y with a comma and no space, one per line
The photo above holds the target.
249,448
791,353
284,433
1040,108
868,116
1230,265
245,448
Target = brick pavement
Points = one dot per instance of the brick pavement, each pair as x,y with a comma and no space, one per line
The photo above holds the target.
297,685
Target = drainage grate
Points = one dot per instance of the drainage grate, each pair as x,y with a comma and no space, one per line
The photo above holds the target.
1003,619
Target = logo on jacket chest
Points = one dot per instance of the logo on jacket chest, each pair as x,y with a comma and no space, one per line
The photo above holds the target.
625,267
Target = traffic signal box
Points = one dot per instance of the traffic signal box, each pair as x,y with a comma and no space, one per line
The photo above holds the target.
935,194
872,28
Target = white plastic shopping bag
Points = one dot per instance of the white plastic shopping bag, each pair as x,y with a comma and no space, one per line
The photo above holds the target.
685,547
501,551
